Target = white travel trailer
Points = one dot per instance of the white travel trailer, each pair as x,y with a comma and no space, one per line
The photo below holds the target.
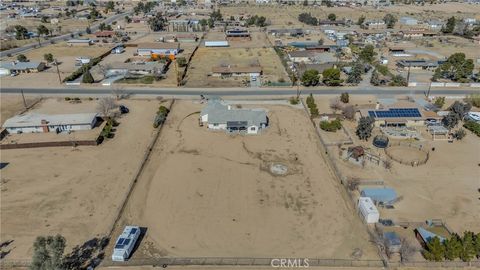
368,210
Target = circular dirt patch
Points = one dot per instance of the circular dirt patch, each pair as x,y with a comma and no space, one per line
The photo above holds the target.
278,169
407,155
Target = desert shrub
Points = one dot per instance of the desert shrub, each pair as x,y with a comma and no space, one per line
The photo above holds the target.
294,100
473,127
331,126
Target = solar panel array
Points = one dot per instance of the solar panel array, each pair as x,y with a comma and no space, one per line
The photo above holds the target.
123,242
396,113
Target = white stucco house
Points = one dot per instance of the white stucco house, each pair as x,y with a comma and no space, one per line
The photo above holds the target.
40,123
218,116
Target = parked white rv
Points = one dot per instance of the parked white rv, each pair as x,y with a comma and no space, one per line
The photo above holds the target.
125,243
368,210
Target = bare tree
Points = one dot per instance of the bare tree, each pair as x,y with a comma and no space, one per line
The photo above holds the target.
387,163
407,250
106,106
349,112
336,105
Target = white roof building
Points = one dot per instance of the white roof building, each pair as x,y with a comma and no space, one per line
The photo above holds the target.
35,123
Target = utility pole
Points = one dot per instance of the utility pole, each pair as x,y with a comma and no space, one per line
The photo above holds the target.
408,74
58,71
24,101
428,92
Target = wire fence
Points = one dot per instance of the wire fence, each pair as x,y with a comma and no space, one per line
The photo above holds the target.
232,261
413,161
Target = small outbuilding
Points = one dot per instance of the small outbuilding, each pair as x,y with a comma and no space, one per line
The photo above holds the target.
393,242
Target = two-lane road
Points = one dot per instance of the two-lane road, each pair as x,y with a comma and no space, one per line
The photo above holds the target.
232,91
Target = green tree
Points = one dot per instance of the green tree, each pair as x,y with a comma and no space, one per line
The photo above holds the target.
450,120
87,77
94,13
439,102
460,108
216,15
344,97
375,79
48,253
310,77
477,244
331,77
110,6
43,30
181,61
332,17
157,23
44,19
128,19
398,80
305,3
361,20
22,58
450,25
48,57
365,127
355,75
456,68
453,246
435,250
20,32
88,30
474,100
390,20
367,54
307,18
468,247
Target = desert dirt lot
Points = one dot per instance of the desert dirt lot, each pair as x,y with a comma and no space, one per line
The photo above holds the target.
72,191
208,193
280,16
12,104
443,188
206,58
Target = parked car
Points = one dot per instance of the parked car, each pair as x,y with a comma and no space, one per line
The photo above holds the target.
431,122
123,109
386,222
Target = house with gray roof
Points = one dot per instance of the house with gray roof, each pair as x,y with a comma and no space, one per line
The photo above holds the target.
14,67
219,116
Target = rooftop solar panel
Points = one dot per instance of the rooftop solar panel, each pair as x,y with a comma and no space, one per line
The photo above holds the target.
396,113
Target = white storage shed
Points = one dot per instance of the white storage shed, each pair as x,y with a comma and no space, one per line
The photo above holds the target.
368,210
125,243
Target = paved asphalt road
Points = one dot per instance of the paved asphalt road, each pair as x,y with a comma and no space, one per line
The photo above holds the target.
231,91
62,37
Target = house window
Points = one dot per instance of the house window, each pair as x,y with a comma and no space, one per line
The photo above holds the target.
215,125
252,129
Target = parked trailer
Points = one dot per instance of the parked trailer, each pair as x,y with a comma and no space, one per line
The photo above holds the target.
125,243
368,210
